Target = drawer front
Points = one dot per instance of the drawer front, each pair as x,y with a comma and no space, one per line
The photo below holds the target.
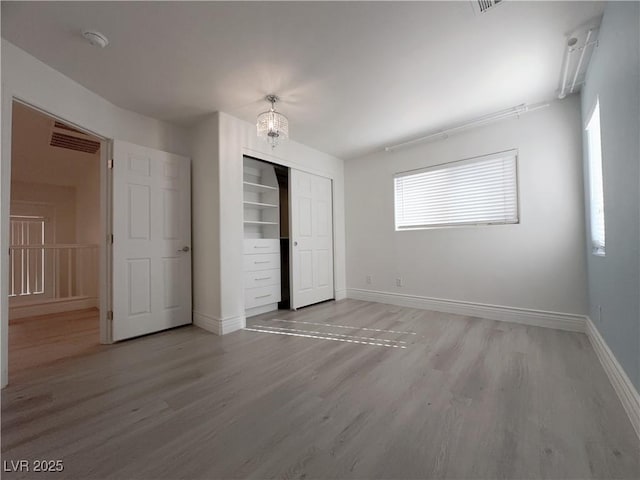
262,261
261,278
261,245
256,297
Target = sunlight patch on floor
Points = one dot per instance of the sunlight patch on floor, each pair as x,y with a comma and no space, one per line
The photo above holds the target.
325,336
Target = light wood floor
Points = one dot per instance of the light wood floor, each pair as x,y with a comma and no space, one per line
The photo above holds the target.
327,392
38,341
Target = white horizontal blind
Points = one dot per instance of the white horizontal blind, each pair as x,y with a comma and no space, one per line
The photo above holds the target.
596,193
481,190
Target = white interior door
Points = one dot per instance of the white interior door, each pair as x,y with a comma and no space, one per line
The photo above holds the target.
311,239
152,240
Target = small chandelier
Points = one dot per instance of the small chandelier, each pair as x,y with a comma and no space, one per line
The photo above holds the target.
272,126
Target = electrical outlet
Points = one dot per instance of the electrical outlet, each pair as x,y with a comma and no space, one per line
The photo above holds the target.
368,280
399,282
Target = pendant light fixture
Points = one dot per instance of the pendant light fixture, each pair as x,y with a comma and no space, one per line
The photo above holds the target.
271,125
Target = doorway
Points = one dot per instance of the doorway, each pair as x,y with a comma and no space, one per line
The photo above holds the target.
56,231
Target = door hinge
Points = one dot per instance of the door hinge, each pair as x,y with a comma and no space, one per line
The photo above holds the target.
110,315
111,239
110,163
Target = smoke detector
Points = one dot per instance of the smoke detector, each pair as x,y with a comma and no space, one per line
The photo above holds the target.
96,38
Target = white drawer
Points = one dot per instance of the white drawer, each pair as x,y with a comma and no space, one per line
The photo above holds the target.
261,278
262,261
261,245
255,297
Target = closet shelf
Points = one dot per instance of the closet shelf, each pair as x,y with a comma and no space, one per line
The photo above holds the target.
255,222
258,187
259,205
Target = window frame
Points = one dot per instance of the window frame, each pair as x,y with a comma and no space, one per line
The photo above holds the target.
442,166
597,248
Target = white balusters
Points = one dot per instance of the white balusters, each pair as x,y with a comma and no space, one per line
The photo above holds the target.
52,272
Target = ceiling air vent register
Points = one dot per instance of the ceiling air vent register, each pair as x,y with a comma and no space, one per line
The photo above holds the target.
482,6
64,136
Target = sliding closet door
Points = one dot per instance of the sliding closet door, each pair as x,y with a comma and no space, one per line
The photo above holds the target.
311,239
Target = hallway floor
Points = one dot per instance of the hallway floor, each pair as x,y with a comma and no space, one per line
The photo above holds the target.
39,341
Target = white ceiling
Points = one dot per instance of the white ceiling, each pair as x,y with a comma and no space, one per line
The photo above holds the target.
353,76
33,160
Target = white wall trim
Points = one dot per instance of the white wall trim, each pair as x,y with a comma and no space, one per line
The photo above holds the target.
231,324
206,322
537,318
219,326
54,306
627,393
252,312
340,295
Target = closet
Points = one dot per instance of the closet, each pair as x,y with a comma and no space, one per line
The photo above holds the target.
262,269
288,237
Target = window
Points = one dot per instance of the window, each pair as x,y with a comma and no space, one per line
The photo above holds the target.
478,191
596,193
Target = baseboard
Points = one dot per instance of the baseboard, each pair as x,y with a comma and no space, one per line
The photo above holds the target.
340,295
537,318
219,326
626,391
206,322
252,312
54,306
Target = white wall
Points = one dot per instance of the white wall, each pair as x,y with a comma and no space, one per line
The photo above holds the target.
88,225
614,280
224,311
535,265
26,78
205,205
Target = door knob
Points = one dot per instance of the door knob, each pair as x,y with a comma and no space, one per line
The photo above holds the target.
184,249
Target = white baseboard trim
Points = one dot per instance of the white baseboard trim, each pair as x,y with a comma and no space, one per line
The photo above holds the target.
54,306
206,322
252,312
231,324
537,318
627,393
340,295
219,326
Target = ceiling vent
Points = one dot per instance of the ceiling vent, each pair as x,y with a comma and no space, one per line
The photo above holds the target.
64,136
482,6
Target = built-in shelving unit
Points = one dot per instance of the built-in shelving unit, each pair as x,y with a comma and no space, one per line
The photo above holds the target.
256,222
261,202
256,187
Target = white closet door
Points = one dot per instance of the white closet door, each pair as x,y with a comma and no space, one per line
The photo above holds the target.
152,240
311,239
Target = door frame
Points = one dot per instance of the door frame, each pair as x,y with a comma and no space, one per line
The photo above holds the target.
104,283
